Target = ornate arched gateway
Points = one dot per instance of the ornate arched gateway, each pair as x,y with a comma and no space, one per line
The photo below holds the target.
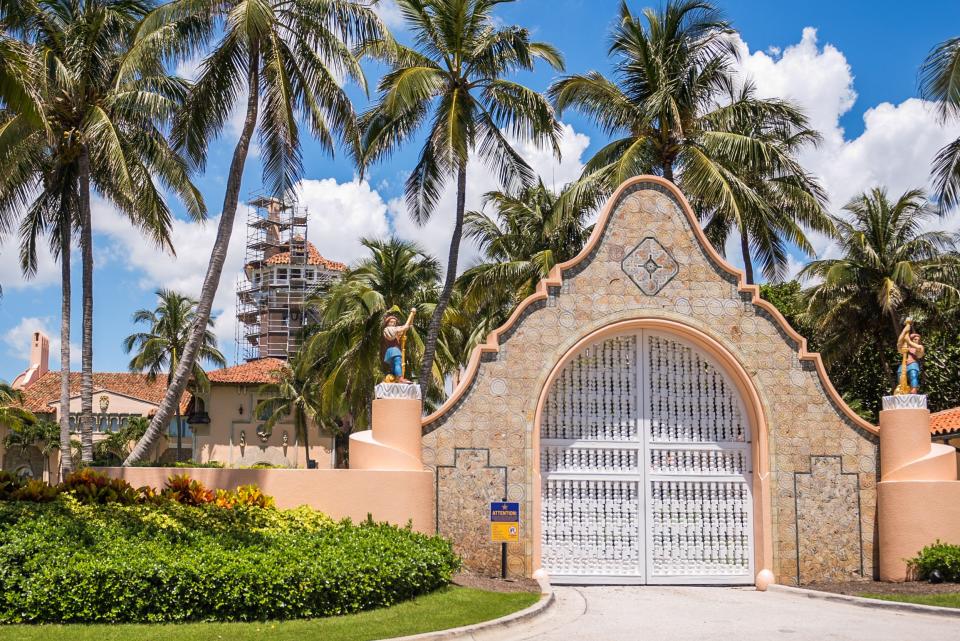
656,420
646,467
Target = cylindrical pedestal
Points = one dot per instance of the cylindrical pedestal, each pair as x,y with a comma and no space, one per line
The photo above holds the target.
396,424
904,438
394,441
918,497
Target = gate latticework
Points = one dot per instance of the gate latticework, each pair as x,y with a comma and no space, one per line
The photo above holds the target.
646,467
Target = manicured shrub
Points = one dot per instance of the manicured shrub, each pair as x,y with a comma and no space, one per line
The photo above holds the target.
89,486
182,489
159,560
939,556
35,491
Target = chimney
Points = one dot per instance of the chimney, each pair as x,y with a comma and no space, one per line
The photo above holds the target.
39,361
40,353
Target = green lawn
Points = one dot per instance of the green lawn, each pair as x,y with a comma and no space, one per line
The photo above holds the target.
448,607
944,600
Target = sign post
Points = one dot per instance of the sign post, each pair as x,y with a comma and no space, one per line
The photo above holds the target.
504,528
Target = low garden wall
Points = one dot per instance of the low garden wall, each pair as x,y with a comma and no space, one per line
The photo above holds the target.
393,496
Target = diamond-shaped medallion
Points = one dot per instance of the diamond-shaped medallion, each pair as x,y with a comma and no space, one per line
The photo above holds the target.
650,266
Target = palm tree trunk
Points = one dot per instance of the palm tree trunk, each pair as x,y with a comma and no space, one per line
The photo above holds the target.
430,345
179,435
66,463
747,260
668,170
86,356
211,281
305,428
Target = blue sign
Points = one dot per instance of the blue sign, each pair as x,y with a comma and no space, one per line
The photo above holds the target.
504,522
503,512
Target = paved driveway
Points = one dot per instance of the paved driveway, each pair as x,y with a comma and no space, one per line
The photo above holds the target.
721,614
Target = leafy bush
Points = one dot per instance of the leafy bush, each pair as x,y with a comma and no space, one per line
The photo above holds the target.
66,561
939,556
35,491
9,484
90,486
189,463
182,489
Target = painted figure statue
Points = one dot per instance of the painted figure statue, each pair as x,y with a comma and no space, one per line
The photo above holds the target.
394,347
911,351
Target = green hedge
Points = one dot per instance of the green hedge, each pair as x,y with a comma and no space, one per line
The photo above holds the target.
67,561
940,556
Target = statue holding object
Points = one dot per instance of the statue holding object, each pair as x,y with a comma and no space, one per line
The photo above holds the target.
394,347
911,351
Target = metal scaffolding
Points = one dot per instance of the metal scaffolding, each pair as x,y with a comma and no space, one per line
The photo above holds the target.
274,286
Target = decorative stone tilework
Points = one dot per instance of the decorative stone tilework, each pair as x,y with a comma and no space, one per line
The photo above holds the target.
497,410
649,265
468,487
828,519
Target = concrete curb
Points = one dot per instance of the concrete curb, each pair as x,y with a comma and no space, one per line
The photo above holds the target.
468,631
863,602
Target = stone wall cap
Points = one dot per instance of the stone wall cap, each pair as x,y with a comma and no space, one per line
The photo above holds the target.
409,391
905,402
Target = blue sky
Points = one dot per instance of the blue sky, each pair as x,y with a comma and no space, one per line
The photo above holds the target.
851,64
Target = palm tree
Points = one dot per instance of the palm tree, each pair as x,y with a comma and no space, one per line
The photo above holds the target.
160,349
889,268
673,109
12,412
344,346
774,198
40,434
295,393
291,55
455,78
116,446
940,82
532,230
106,103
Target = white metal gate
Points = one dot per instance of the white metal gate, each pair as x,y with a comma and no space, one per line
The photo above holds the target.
645,467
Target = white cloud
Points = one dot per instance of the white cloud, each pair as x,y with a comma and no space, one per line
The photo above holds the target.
341,214
185,271
11,278
895,149
19,338
390,14
435,235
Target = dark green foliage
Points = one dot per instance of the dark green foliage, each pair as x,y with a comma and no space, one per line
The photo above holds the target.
68,562
181,464
868,372
9,483
939,556
35,491
941,368
88,486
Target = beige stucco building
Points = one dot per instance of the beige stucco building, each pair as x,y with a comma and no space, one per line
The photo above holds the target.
219,424
226,427
117,396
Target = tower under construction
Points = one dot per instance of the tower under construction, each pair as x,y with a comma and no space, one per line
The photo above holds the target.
281,270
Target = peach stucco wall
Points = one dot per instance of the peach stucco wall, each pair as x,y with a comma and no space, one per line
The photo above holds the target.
231,411
397,497
918,500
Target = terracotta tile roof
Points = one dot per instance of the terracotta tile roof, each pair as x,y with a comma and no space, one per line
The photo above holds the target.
945,422
258,371
313,258
38,395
